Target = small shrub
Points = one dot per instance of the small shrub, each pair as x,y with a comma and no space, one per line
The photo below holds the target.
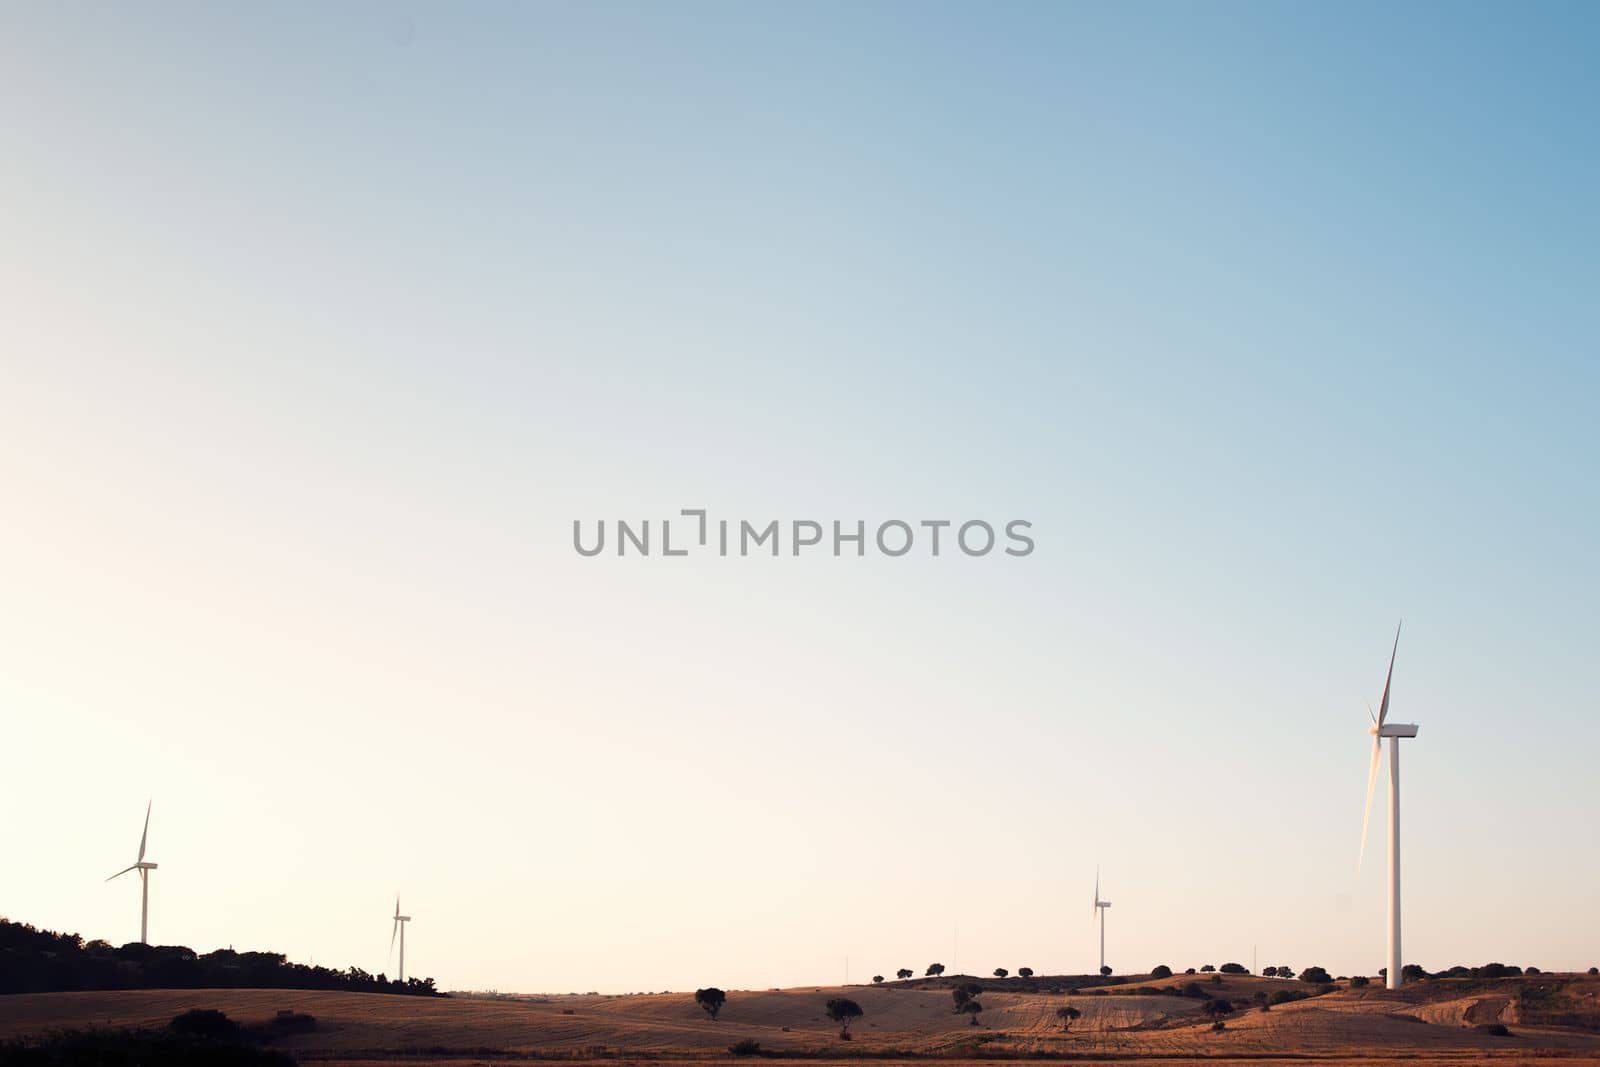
1360,981
1497,1030
745,1047
206,1023
1189,970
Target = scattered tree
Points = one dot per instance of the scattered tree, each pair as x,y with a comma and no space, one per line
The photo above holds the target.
1234,968
1269,972
877,979
1315,976
904,973
1000,972
1359,981
1188,970
1412,972
843,1012
934,970
964,992
1207,969
1024,972
1068,1015
1216,1009
1161,970
1594,971
972,1008
710,1000
1285,971
1106,971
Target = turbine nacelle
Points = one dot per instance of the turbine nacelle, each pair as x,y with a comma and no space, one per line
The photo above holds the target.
1393,729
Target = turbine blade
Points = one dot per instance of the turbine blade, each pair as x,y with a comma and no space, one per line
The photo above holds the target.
146,835
122,872
393,930
1383,708
1366,817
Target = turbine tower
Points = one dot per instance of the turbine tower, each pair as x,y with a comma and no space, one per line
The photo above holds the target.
144,870
1100,915
1381,727
400,928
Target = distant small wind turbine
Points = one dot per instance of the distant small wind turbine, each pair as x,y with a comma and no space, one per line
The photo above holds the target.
1380,729
400,928
1100,914
144,870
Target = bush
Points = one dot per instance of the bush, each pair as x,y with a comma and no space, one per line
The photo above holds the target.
1189,970
1497,1030
1106,971
745,1047
1216,979
1287,996
1413,972
137,1048
1161,970
1359,981
208,1024
290,1022
1594,971
1207,969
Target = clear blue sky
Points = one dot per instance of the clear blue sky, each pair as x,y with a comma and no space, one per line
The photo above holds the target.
318,327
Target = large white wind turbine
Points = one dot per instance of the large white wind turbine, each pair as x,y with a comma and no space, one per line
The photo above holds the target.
1381,727
144,870
400,928
1100,907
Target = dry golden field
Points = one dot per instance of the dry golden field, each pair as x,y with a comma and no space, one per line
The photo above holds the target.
1436,1022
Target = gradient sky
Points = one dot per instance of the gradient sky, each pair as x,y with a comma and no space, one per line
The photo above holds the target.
319,326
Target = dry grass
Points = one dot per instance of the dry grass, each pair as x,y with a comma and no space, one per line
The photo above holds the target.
1433,1023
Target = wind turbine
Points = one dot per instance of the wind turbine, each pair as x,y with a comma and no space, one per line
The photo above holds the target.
1100,914
1394,731
400,928
144,870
